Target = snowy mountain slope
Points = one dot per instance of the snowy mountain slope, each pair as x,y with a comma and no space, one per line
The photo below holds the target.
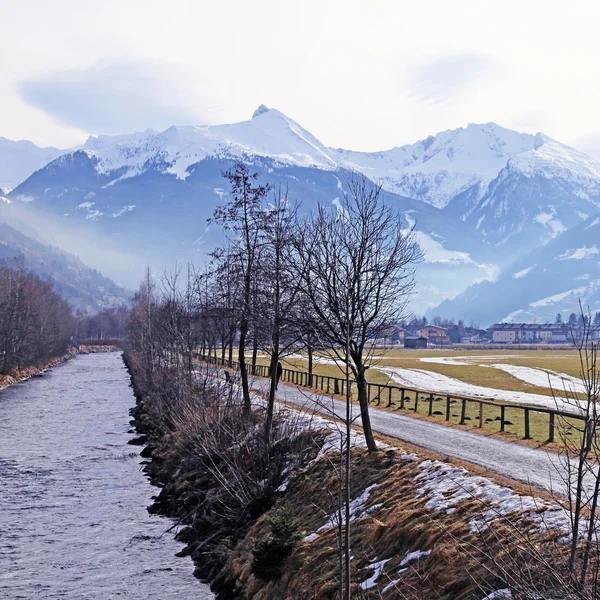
268,134
434,170
440,167
538,195
482,196
547,281
18,160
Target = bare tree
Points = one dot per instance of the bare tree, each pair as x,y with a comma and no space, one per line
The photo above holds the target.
242,216
280,286
358,272
581,455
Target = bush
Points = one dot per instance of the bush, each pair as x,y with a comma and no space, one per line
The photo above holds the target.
269,555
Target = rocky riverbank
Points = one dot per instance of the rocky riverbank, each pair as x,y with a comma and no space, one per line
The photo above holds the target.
24,373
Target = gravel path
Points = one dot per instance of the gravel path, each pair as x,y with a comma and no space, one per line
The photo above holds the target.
538,468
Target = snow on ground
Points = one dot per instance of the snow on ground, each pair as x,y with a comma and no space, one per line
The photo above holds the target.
531,375
445,486
377,570
504,594
320,360
435,382
412,556
544,378
357,509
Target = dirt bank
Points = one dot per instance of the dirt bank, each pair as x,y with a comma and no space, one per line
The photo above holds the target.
24,373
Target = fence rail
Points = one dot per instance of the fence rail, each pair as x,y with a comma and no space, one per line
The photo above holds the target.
393,394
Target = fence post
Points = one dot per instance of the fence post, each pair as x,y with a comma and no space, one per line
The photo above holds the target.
416,400
527,436
336,386
447,407
551,428
389,404
502,410
481,415
463,411
430,404
402,398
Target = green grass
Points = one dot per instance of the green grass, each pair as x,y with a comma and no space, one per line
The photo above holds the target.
514,418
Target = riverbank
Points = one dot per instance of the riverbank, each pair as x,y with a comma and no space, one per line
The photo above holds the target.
421,528
24,373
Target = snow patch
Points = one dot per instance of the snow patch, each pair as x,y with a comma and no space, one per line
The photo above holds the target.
524,272
580,253
377,570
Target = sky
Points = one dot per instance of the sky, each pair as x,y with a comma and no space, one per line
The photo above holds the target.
364,75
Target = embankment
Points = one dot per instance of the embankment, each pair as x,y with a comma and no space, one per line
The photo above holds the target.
261,522
24,373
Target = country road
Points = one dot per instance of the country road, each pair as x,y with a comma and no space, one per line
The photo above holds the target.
537,468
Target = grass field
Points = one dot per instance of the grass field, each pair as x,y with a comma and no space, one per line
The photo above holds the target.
562,361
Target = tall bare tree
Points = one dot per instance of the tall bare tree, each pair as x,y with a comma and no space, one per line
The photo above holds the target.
280,286
358,268
242,216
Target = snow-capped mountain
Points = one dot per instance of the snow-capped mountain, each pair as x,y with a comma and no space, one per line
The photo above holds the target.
482,196
18,160
536,196
441,167
547,281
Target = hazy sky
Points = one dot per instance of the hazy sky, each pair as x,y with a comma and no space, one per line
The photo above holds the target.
362,75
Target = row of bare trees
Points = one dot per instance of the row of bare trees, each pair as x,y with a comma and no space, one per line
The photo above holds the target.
35,322
332,281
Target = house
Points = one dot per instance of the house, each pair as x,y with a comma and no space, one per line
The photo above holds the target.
434,334
415,343
530,333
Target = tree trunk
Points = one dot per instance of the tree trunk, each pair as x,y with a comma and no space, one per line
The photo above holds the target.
310,362
254,354
243,368
272,389
361,386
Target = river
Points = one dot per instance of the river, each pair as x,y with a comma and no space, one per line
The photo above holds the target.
73,498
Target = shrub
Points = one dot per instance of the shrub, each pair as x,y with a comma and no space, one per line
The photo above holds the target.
268,555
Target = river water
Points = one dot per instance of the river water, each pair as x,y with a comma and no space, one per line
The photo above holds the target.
73,498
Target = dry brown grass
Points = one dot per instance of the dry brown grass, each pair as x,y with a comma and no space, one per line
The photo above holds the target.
456,569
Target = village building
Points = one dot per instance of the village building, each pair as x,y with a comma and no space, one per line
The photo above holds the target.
530,333
434,334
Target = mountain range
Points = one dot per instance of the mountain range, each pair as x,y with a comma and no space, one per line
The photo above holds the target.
487,203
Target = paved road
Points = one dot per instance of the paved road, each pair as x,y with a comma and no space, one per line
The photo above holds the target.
538,468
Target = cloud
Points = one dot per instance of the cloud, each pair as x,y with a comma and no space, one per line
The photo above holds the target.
443,80
117,97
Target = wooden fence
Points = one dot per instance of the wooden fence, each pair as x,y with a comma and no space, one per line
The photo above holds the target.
391,395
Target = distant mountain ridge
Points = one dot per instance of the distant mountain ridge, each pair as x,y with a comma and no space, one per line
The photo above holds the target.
84,288
18,160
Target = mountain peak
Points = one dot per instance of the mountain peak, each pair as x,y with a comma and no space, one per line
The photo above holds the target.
260,111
